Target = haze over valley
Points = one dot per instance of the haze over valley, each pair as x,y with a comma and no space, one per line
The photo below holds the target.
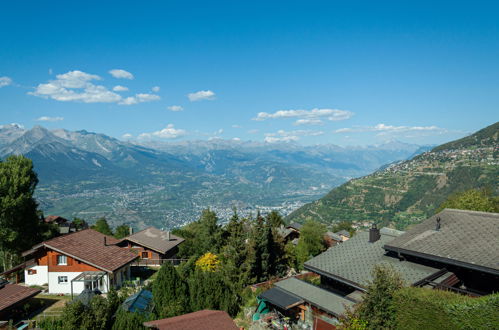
167,184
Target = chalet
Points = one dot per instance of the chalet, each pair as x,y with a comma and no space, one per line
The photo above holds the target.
466,243
81,260
13,297
343,234
454,250
291,233
200,320
152,245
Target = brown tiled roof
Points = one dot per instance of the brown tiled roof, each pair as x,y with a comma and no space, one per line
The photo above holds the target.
201,320
12,294
88,246
155,239
52,218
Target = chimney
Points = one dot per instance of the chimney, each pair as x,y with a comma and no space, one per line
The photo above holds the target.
130,230
105,240
437,227
374,234
168,235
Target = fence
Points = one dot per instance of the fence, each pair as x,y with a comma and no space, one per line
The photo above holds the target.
157,262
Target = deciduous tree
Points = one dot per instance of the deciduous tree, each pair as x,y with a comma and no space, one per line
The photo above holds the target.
19,222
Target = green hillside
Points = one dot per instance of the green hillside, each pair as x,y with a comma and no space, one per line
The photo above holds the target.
408,192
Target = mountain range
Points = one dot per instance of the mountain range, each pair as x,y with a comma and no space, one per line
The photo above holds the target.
166,184
406,192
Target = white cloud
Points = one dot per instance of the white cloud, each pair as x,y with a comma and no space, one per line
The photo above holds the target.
201,95
310,121
253,131
175,108
75,86
289,136
120,88
236,139
156,89
45,118
383,129
169,132
329,114
139,98
273,139
127,136
121,74
5,81
236,126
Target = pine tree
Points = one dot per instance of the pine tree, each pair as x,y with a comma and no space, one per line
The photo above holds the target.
210,290
170,293
235,253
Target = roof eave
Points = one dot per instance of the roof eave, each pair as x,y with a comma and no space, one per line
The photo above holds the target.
442,259
335,277
152,248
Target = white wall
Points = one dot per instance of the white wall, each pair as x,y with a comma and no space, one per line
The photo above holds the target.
78,287
55,287
40,278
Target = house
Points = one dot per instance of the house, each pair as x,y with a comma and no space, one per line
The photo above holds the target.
303,302
152,245
13,297
344,234
465,243
291,233
345,271
453,250
200,320
81,260
332,239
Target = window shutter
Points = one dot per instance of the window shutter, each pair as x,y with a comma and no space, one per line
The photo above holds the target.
69,261
54,260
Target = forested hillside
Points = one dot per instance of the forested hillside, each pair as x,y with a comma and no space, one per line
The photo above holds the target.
409,191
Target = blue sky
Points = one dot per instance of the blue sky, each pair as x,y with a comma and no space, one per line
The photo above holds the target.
342,72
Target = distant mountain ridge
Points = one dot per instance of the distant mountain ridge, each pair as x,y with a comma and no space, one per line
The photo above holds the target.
91,175
406,192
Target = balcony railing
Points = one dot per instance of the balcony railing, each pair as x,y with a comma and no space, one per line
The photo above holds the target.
157,262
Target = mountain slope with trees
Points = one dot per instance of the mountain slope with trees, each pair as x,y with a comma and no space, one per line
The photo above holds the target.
408,192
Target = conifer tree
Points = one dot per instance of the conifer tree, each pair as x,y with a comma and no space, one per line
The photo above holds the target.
170,293
235,253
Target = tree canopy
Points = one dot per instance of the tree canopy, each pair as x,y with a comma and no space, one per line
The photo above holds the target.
102,226
20,224
473,200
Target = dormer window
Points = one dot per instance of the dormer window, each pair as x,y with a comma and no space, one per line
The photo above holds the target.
62,260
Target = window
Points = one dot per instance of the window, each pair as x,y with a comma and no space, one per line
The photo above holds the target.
62,260
62,279
145,255
31,271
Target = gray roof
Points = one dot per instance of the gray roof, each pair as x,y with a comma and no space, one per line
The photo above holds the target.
466,238
295,225
281,298
334,236
343,232
325,300
352,261
155,239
